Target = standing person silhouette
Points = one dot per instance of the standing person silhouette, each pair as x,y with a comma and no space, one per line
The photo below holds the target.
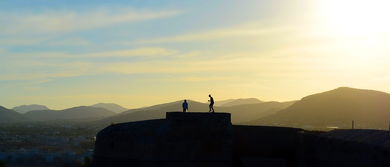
185,106
211,106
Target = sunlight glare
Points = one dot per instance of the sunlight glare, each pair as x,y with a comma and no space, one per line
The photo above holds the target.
356,18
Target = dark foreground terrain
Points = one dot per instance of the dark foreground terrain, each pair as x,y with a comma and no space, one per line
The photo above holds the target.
206,139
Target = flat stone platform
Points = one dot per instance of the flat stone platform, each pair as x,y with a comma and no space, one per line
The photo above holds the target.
199,116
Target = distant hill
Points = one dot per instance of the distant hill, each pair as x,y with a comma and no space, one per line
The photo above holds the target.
7,116
240,113
152,112
235,102
335,108
111,107
222,102
249,112
32,107
75,113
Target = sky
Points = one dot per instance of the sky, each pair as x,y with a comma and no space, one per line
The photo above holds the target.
138,53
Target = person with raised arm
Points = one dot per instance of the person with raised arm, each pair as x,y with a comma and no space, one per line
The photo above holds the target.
211,106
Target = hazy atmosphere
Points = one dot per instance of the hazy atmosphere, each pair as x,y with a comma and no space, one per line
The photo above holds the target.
138,53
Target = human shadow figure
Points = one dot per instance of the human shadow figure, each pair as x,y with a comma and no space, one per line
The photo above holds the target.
185,106
211,106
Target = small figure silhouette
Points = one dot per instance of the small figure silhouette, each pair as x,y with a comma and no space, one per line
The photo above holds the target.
185,106
211,106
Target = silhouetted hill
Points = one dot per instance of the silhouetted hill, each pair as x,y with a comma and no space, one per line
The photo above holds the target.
249,112
335,108
32,107
75,113
240,113
153,112
7,115
236,102
111,107
222,102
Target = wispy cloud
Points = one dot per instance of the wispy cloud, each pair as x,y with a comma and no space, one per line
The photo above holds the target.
254,29
135,52
16,41
70,42
64,21
40,76
245,65
178,66
53,71
205,78
236,62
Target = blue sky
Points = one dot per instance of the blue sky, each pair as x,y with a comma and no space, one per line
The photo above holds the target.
136,53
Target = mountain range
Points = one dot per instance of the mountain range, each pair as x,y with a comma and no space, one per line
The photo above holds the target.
7,115
32,107
111,107
240,113
75,113
334,109
235,102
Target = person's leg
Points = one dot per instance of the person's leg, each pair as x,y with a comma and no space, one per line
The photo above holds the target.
210,108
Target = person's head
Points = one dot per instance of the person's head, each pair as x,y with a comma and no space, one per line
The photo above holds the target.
209,95
185,101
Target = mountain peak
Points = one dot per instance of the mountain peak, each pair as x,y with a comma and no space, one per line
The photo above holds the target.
74,113
240,101
7,115
111,107
346,88
350,89
336,108
30,107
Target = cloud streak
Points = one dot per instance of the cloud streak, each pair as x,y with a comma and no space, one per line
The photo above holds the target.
253,29
136,52
65,21
144,52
